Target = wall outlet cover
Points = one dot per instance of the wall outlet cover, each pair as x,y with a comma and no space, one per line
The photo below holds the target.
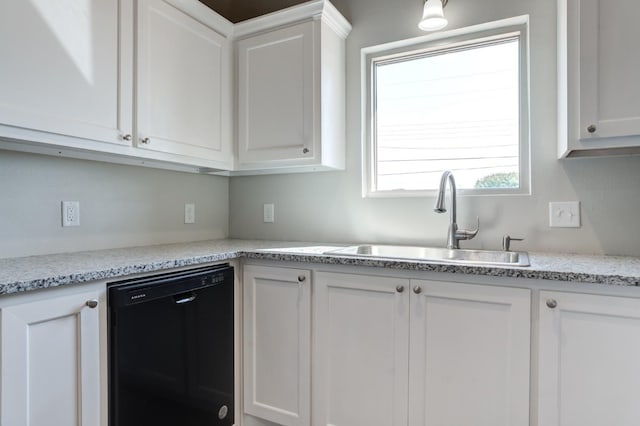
189,213
70,213
564,214
268,213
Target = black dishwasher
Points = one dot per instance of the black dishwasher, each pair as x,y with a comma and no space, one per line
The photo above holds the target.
171,358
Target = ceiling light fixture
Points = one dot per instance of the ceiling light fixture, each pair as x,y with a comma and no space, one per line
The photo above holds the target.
433,15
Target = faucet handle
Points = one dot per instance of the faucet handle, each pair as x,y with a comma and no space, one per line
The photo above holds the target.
463,234
506,242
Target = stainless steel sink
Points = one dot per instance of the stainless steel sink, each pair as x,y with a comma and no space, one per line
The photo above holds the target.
437,254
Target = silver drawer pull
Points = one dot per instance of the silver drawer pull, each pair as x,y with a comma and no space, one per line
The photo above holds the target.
186,299
92,303
301,278
400,288
417,289
552,303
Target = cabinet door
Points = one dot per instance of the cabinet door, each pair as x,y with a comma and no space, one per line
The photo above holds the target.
49,373
609,68
63,70
469,358
183,84
589,347
361,327
276,91
277,339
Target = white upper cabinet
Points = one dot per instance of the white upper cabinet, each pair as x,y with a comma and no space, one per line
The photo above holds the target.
291,90
65,70
588,374
599,64
152,82
69,75
183,82
276,69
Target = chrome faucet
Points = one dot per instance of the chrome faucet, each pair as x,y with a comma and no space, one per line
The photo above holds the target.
454,234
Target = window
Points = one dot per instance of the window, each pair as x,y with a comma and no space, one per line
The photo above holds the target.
453,101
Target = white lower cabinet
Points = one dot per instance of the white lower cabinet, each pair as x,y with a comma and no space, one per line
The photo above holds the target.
356,349
469,355
361,350
50,362
277,344
393,351
589,348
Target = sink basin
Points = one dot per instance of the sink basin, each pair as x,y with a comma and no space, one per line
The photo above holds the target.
437,254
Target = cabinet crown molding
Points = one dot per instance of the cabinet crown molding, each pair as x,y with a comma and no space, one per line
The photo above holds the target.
314,9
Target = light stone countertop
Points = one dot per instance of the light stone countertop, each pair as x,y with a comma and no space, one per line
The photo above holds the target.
35,272
610,270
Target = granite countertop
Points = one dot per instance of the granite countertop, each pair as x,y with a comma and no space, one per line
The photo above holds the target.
611,270
35,272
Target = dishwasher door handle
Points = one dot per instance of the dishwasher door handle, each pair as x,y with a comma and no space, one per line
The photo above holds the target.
181,300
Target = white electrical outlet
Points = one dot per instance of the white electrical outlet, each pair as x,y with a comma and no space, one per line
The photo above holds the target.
268,213
564,214
189,213
70,213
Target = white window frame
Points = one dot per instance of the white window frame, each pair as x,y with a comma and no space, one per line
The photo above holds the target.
444,40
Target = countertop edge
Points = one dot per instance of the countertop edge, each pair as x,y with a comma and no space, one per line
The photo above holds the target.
111,273
497,271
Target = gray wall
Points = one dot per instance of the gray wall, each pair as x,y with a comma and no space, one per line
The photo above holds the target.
329,207
119,205
126,206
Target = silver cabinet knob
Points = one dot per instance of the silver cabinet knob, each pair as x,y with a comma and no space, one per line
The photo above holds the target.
552,303
305,150
301,278
145,141
126,137
417,289
399,288
92,303
592,128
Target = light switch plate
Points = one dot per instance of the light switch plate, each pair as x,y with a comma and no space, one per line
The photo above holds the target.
268,213
565,214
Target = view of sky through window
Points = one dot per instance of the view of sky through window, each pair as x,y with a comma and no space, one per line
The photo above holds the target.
455,109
